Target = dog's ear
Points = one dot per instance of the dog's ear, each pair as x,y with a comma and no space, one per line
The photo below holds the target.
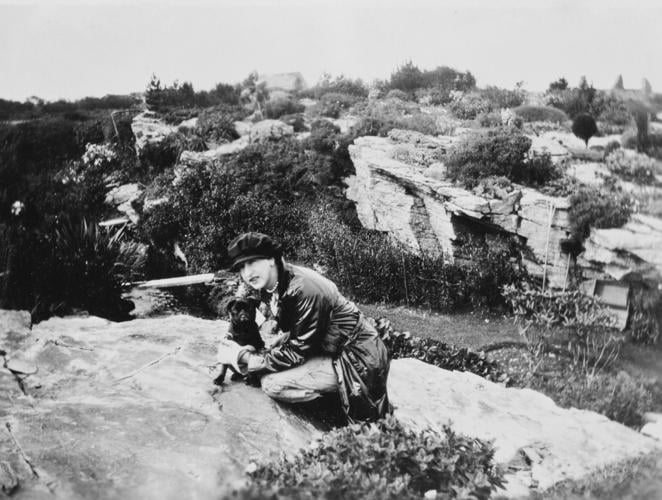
230,305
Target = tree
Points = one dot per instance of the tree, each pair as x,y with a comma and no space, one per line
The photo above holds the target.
584,127
154,94
407,78
646,87
560,84
619,83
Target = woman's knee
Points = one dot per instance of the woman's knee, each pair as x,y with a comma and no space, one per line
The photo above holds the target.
271,385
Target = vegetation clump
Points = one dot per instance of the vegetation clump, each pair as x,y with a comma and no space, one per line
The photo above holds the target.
499,152
381,460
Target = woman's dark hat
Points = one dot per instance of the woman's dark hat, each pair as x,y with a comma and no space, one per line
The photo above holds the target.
251,246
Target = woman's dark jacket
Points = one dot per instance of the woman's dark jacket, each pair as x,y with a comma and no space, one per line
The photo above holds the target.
320,321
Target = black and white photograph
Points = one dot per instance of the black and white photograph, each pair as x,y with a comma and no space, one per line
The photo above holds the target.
330,249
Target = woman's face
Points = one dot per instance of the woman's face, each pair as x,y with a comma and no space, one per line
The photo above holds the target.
260,273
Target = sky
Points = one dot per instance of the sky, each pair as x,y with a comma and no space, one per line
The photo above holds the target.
74,48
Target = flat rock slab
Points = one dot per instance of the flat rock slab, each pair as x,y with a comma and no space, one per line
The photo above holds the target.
128,410
541,443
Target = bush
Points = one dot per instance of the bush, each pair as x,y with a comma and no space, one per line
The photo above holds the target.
340,84
503,98
354,258
633,167
468,106
217,124
333,103
382,117
540,114
598,208
645,321
619,397
631,140
407,78
498,153
382,460
72,265
434,96
434,352
397,94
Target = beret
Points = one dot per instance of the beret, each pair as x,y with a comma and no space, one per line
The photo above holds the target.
251,246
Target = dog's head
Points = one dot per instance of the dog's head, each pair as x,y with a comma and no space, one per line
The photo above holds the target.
241,310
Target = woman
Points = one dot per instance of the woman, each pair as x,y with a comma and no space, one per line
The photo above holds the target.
330,346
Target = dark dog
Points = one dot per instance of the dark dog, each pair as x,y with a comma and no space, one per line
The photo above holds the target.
243,330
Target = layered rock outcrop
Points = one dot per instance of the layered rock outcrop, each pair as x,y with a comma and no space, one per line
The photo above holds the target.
401,189
95,409
425,212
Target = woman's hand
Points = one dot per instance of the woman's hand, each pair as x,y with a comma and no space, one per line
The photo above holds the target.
229,352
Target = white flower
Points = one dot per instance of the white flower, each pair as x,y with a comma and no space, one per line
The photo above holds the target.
17,207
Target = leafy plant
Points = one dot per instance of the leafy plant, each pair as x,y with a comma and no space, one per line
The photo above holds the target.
85,270
598,208
382,460
284,106
498,153
618,396
434,352
635,167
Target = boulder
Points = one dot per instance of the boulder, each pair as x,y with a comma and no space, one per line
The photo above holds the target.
209,156
149,129
634,247
269,130
122,198
128,410
540,444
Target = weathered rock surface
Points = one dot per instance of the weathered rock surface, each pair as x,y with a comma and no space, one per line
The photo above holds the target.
148,129
395,192
194,157
122,198
424,211
269,130
541,443
126,410
634,247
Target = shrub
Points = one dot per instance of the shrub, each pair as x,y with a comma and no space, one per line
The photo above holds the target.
74,265
574,101
340,84
468,106
619,397
354,258
598,208
333,103
503,98
397,94
630,140
382,117
584,127
433,96
407,78
540,114
496,153
437,353
382,460
634,167
283,106
296,121
645,321
217,124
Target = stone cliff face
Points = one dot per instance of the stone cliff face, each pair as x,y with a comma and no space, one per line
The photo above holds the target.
426,213
399,189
